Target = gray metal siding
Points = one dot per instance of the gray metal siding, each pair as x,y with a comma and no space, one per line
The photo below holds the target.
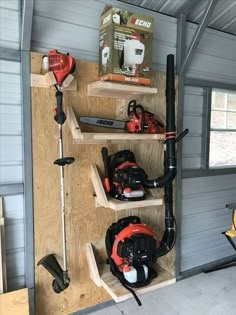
215,58
10,24
223,17
192,119
14,226
75,28
204,217
11,162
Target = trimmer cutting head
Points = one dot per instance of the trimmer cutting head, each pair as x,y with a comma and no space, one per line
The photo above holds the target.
61,280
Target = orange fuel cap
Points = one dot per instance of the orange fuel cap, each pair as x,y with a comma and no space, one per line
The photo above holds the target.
126,268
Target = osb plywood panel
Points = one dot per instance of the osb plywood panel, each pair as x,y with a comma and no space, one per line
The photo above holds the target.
84,222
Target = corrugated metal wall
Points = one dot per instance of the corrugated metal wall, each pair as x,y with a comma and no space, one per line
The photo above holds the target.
74,28
11,165
11,160
193,111
204,199
10,24
215,58
204,217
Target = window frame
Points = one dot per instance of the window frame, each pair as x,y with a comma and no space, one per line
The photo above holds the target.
204,170
209,129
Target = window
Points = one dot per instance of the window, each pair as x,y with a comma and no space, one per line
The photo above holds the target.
223,129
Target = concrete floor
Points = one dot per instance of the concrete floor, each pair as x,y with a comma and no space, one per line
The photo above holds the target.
205,294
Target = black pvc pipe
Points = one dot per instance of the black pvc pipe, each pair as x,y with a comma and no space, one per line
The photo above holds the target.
170,159
169,236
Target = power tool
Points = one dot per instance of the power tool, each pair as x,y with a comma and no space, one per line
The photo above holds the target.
132,247
61,65
123,177
140,121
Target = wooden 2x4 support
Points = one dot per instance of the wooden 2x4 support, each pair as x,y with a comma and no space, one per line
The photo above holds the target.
48,80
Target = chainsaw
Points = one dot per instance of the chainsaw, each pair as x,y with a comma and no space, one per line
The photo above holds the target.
140,121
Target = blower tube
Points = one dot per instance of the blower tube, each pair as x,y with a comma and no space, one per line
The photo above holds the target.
169,158
169,236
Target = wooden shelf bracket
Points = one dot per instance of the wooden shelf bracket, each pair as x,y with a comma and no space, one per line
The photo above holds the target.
102,200
80,137
102,277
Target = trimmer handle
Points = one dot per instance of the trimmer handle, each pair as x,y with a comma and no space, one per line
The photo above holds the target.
60,116
106,182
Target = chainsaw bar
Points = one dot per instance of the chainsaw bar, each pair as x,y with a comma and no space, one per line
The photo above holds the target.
103,122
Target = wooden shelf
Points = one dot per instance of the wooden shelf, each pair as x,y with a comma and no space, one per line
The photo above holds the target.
80,137
119,90
102,200
102,277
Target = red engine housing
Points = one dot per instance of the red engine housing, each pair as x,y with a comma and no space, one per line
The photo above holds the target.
60,64
151,124
128,231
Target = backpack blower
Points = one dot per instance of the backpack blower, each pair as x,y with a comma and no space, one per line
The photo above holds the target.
132,247
61,65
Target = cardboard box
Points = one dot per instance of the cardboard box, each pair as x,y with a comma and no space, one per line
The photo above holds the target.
125,47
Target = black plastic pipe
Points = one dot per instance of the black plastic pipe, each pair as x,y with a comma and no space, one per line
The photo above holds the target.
169,236
170,158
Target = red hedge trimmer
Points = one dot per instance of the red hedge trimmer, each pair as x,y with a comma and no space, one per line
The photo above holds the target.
61,65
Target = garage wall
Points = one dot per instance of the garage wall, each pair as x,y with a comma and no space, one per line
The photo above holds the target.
74,28
204,215
192,119
11,142
11,168
215,58
10,24
204,218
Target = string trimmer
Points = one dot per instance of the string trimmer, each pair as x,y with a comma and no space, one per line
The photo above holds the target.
61,65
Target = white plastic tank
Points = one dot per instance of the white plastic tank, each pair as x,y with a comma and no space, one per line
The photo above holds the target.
133,52
131,274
